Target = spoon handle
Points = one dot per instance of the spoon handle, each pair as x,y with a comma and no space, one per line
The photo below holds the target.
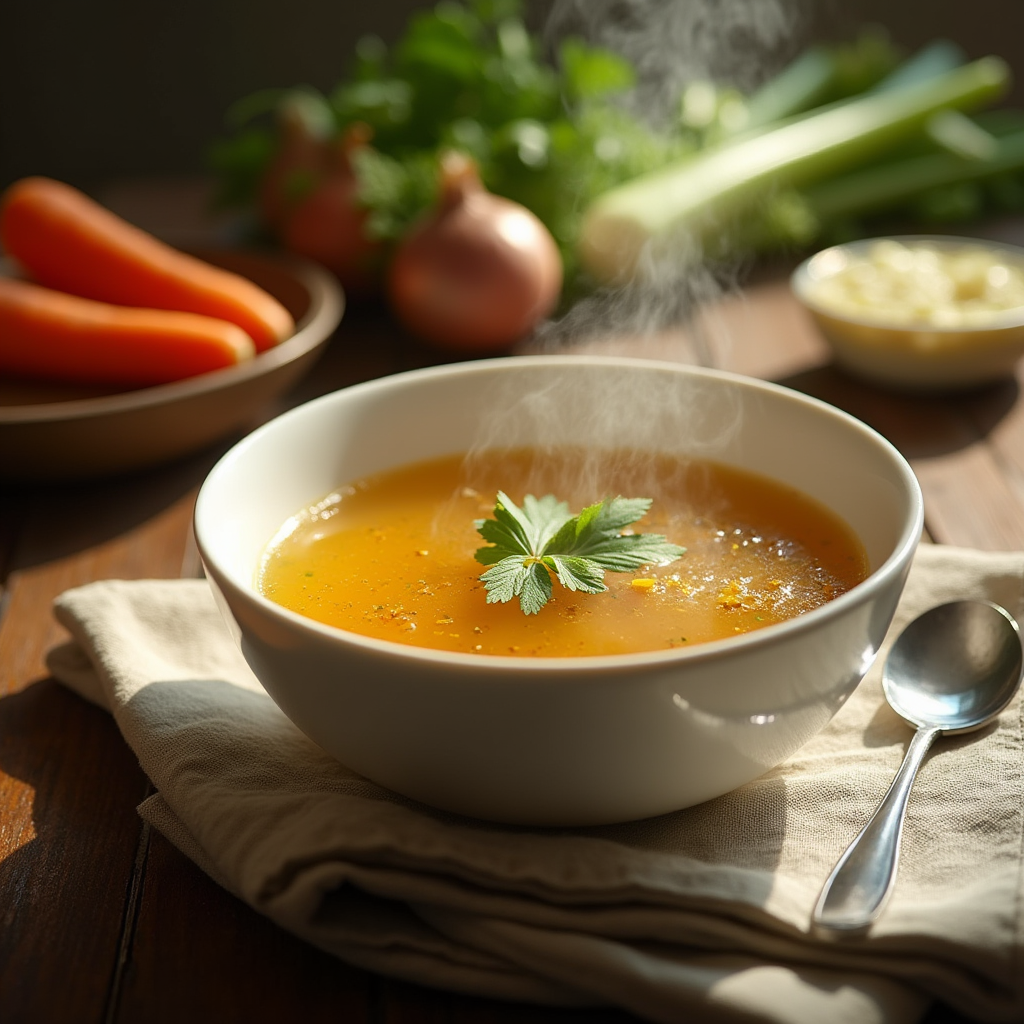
857,889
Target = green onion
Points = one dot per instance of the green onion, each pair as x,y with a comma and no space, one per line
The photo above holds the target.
691,205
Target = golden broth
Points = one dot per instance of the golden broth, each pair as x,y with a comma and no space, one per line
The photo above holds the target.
392,556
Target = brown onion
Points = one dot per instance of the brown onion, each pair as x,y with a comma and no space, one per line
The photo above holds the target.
329,225
477,273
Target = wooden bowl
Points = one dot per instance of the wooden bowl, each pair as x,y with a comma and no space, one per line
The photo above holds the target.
53,432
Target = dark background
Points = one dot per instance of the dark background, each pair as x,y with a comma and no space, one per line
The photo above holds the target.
94,90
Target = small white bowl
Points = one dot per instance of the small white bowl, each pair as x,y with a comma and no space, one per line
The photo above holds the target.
880,342
560,741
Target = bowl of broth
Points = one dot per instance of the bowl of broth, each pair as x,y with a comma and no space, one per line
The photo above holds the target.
341,541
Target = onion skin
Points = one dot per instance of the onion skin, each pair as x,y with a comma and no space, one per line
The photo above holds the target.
479,272
328,225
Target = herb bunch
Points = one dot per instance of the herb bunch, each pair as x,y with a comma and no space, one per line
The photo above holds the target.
546,129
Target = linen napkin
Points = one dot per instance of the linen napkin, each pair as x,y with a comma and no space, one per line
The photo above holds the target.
700,914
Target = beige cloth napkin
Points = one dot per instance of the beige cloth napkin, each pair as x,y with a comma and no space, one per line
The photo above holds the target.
701,914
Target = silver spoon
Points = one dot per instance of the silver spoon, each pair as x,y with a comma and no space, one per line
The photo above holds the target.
952,670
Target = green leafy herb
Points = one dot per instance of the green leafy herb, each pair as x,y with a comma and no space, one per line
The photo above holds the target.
552,124
529,545
545,126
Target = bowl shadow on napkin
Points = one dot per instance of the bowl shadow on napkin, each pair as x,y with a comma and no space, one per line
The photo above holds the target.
717,830
251,786
196,736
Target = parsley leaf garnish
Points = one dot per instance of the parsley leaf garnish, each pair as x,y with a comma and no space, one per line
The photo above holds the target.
529,545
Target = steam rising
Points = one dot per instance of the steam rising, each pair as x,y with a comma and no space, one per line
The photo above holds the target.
671,44
615,420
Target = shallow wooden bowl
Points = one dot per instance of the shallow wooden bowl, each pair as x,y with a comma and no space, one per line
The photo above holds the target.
52,432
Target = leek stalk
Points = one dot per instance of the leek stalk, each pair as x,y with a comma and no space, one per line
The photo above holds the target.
684,210
875,189
800,217
935,59
800,86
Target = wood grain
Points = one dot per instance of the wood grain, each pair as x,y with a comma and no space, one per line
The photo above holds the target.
200,954
68,783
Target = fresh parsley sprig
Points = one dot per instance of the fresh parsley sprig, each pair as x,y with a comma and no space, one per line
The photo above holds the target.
529,545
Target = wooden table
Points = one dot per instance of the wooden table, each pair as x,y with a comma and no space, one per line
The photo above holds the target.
102,919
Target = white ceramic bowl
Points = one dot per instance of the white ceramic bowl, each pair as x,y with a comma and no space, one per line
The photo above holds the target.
560,741
879,343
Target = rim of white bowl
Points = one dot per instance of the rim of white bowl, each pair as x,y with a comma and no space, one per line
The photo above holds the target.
585,665
802,278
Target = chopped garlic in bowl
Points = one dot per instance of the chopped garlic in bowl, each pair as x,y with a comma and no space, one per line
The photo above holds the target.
919,312
913,282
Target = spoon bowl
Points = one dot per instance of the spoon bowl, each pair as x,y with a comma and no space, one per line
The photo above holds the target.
952,670
954,667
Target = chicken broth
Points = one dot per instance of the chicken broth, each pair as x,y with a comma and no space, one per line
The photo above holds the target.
392,556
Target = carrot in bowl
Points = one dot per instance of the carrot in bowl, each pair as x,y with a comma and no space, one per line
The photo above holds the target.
67,241
47,333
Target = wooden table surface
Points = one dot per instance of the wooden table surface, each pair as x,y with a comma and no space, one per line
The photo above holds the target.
102,919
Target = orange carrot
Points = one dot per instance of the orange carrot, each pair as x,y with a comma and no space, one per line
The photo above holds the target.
46,333
65,240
